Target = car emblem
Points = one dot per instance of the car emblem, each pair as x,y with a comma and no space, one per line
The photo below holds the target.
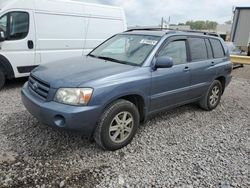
35,86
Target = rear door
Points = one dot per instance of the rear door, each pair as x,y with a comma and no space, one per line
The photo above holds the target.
170,86
202,65
18,47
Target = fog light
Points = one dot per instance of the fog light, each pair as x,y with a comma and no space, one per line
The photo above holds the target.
59,121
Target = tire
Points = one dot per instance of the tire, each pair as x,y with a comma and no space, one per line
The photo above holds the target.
212,97
113,132
2,79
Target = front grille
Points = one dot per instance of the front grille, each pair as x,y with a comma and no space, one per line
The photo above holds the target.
38,86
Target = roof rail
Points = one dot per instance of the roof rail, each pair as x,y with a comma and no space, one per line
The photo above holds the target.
147,28
169,29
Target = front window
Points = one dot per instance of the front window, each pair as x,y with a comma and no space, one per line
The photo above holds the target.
176,50
15,25
3,23
126,48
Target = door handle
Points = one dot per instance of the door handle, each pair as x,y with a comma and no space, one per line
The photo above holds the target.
186,69
30,44
212,63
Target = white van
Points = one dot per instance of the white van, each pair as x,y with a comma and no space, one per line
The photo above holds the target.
34,32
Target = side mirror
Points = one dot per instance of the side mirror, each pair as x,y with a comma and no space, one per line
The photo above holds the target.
2,36
164,62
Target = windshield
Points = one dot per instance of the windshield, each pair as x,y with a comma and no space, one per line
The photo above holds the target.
127,49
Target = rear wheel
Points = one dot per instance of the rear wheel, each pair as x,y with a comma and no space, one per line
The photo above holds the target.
2,79
212,98
117,126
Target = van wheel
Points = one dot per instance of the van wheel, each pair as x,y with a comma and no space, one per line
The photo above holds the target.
212,98
2,79
117,125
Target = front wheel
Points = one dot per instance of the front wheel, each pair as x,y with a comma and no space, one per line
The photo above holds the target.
213,96
117,126
2,79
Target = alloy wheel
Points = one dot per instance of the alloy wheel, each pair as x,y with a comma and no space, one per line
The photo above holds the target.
121,127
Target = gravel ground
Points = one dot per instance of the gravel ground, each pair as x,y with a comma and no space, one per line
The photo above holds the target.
184,147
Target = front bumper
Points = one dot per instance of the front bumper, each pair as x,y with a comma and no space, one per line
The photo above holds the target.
51,113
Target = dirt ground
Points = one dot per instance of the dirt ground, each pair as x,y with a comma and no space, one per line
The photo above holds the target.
242,72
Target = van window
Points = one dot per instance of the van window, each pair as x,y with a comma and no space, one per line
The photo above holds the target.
19,25
15,25
176,50
198,49
217,48
3,23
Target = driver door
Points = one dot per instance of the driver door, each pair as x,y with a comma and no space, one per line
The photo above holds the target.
171,86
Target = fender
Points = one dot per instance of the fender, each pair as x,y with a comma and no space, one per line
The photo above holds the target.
6,67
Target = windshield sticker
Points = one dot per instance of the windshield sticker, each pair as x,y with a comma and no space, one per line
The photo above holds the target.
149,42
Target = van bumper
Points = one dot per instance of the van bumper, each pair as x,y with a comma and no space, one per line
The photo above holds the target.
82,118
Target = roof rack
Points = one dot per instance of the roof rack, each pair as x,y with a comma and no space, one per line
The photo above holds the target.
176,30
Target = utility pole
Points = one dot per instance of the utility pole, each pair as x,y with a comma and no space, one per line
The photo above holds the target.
162,22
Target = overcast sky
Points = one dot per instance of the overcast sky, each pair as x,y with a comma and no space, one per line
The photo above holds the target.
149,12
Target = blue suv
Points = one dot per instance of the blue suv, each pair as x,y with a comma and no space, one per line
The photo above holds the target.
127,78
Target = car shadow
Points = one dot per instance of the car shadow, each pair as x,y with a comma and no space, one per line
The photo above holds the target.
15,83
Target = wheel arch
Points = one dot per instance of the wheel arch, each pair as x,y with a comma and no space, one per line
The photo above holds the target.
6,67
222,80
137,99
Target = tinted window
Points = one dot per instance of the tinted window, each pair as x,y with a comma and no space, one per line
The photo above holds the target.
176,50
19,25
198,49
209,49
217,48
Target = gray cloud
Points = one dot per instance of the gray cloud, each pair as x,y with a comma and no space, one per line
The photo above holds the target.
148,12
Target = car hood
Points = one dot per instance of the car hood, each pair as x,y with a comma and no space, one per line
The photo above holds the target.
78,71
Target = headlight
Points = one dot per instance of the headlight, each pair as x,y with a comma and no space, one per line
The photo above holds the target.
74,96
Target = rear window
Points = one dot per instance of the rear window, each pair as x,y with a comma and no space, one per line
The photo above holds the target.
198,49
217,48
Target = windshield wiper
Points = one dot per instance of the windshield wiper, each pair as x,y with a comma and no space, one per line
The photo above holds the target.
108,59
104,58
91,55
112,59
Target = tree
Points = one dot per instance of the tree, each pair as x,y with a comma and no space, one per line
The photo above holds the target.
202,25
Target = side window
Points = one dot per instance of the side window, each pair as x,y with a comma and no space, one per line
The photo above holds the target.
3,23
15,25
209,49
176,50
19,25
198,49
217,48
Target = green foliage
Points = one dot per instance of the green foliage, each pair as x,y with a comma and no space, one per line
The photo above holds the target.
202,25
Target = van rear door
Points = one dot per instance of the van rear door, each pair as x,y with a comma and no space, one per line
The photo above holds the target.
19,46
